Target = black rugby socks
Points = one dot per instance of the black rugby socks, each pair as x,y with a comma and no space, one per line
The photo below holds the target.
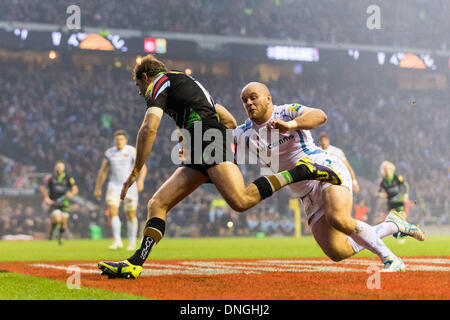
153,233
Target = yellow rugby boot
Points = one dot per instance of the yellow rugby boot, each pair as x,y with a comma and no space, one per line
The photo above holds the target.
121,269
319,172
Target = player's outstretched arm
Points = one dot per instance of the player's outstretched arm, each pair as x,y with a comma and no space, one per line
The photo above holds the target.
226,118
310,118
145,139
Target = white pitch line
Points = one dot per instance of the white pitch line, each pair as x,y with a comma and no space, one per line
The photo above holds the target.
56,267
327,262
258,267
412,267
423,260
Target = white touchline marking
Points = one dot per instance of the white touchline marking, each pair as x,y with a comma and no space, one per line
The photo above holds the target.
258,267
413,267
347,262
423,260
56,267
261,266
194,271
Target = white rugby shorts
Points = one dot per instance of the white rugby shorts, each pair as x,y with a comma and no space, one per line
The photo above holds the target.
312,202
131,199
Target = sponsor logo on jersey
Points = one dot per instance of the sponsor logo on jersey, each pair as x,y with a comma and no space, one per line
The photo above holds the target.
295,107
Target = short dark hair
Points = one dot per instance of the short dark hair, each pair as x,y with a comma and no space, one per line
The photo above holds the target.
120,133
324,135
148,65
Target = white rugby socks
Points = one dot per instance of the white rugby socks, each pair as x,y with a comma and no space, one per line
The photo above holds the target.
115,225
132,227
385,229
382,230
366,237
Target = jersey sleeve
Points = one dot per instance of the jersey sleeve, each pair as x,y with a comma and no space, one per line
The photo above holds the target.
294,110
133,153
106,155
341,154
157,92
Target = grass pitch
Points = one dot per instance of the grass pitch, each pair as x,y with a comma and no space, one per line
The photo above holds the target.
19,286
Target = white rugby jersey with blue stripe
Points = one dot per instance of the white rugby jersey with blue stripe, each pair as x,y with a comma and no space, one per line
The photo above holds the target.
291,145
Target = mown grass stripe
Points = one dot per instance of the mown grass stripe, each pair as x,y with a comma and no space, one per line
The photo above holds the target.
15,286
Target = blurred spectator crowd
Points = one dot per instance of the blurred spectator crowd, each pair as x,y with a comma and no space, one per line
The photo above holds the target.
410,23
64,111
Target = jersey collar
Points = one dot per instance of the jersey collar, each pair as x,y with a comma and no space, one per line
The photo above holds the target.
149,91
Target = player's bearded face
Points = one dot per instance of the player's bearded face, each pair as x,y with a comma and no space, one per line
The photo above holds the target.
142,84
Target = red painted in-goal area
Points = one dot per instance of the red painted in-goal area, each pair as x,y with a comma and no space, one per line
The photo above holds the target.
262,279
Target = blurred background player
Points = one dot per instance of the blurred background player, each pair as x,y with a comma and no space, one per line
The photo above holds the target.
119,162
60,188
324,141
394,188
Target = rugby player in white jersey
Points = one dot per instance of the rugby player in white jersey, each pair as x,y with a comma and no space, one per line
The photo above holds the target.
119,162
328,207
324,141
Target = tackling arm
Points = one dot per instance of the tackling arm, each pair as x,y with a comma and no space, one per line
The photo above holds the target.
226,118
310,118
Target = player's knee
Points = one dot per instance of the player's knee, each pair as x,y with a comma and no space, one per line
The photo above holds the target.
130,215
238,205
337,253
155,205
335,256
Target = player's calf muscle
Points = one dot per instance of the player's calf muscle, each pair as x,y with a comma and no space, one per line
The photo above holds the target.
341,223
229,182
242,200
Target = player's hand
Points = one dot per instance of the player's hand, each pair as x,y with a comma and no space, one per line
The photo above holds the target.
281,125
98,194
128,183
